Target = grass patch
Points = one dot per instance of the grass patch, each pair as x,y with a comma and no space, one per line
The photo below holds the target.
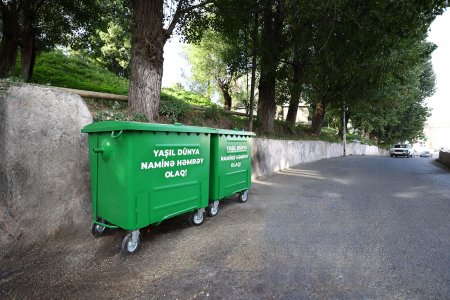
168,94
56,69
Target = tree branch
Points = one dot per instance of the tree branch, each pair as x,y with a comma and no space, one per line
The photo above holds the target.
192,7
180,12
175,19
287,62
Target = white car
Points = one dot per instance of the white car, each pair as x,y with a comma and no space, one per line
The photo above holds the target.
402,150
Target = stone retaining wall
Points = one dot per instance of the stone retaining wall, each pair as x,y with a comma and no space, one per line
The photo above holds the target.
269,156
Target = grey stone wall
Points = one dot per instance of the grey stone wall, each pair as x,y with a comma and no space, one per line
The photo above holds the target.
269,156
44,166
444,158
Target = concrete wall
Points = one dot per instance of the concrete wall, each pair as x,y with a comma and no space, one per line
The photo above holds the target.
444,158
269,156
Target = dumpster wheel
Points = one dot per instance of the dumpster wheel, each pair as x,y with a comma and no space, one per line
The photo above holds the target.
243,196
97,229
131,242
197,217
213,209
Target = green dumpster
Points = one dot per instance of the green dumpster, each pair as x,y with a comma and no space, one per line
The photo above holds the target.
231,166
144,173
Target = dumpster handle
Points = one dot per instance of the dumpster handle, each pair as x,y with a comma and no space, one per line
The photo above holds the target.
105,225
115,136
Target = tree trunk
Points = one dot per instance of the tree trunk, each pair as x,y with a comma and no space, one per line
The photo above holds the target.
317,120
296,90
224,85
28,61
10,39
226,98
28,44
297,80
148,38
270,52
253,80
266,103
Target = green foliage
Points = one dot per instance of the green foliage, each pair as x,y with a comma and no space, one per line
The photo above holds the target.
172,109
65,22
110,45
397,111
345,51
373,67
212,61
116,49
40,25
57,69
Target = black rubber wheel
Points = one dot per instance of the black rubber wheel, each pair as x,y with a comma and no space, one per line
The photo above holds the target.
197,218
128,245
98,230
243,196
212,210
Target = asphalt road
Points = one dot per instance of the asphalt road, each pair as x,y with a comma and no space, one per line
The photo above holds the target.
354,227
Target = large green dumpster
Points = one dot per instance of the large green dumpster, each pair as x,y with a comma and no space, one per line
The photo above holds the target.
231,166
143,174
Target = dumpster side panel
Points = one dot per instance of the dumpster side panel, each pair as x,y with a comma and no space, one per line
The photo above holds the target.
171,174
231,165
142,177
144,173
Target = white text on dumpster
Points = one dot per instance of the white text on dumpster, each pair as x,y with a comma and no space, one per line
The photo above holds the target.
168,159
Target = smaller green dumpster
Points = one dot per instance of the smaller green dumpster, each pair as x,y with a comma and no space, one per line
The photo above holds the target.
143,174
231,166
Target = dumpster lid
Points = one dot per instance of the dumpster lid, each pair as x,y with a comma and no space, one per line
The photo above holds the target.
123,125
235,132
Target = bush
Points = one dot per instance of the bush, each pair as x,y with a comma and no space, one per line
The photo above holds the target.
213,113
172,109
118,115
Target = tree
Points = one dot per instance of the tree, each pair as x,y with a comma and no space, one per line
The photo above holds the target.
36,25
110,45
358,50
274,13
257,28
10,38
301,24
115,49
153,23
398,111
213,65
240,29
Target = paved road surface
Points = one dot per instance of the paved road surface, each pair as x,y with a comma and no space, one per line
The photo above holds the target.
355,227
